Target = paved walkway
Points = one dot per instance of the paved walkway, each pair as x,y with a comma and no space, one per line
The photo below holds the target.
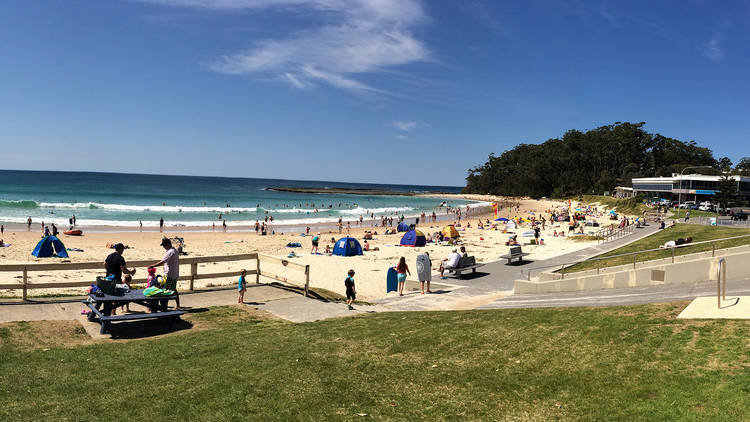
494,281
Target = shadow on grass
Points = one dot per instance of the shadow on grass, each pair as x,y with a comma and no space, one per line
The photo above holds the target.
147,328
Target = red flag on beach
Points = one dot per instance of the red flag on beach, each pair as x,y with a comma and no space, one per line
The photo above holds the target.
494,208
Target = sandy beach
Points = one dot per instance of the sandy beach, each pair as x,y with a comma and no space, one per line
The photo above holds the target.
325,271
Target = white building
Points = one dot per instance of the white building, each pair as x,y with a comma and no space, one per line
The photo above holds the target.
694,187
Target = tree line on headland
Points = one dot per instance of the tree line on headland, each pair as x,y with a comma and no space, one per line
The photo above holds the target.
589,162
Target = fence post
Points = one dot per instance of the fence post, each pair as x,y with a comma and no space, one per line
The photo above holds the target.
635,256
713,249
25,281
598,264
193,273
307,279
673,255
257,269
563,270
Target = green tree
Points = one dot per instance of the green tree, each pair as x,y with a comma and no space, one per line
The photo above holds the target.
583,162
725,164
743,166
727,195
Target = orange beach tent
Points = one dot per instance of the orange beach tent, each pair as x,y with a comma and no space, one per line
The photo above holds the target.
450,232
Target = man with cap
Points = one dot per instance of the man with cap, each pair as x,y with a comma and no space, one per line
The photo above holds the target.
115,263
171,262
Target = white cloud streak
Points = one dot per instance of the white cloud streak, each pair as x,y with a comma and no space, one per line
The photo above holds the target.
354,38
400,136
711,49
404,125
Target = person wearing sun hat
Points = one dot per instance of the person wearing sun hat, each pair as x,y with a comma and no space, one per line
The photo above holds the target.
171,262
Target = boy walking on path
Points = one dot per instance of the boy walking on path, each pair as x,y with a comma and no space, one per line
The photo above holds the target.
351,291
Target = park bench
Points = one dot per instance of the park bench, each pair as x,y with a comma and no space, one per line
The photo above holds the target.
107,302
515,252
464,265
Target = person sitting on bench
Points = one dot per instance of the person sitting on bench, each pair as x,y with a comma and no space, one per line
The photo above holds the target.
450,263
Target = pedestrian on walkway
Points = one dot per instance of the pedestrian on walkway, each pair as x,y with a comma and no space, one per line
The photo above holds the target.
351,291
402,269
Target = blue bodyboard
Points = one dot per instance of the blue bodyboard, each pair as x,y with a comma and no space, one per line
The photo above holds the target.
391,284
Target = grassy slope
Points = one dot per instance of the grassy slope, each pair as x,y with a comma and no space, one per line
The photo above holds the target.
697,232
628,363
628,206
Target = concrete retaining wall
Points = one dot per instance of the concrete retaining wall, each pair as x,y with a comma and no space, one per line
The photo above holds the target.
691,268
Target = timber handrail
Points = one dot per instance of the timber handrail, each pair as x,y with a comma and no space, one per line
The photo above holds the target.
191,276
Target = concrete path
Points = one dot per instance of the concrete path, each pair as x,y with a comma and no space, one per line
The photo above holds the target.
494,281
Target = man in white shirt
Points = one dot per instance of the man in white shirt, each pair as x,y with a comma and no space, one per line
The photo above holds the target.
450,262
171,261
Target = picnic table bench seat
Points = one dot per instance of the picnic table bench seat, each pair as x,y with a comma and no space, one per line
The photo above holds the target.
108,302
515,252
133,317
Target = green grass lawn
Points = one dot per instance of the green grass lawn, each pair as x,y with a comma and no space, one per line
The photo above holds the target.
697,232
620,363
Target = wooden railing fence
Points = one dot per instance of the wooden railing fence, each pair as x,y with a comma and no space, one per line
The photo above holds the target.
192,276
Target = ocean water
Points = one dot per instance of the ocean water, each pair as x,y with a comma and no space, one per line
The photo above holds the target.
124,200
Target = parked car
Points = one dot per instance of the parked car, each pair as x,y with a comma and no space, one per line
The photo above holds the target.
687,204
740,216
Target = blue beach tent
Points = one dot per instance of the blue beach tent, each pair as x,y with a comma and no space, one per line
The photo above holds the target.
347,246
413,238
50,246
403,227
501,219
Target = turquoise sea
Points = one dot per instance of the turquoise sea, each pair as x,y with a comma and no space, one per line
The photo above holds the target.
124,200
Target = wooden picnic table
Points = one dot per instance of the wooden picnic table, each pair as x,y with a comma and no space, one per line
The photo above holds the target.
102,306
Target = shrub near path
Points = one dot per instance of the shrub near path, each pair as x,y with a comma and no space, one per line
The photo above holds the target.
620,363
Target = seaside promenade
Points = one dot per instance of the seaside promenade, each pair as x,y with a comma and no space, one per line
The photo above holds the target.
489,288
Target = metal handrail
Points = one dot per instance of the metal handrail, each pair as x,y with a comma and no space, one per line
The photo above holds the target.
719,296
599,258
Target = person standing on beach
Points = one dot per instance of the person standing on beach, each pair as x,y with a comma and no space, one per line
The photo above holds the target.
2,229
28,224
171,262
74,219
315,241
351,291
536,234
224,225
242,286
161,225
402,269
140,224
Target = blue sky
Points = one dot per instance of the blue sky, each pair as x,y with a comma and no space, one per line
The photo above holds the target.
389,91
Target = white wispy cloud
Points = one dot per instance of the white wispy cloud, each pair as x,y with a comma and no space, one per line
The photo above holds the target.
354,38
404,125
712,49
400,136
